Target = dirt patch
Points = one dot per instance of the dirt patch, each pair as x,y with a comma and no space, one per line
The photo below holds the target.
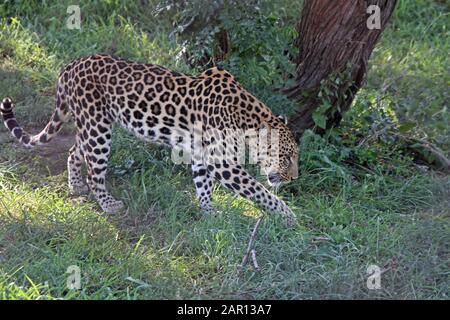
56,153
49,159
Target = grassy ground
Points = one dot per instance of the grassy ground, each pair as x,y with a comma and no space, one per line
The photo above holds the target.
387,211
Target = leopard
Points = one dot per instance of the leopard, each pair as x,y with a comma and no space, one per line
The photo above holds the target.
155,104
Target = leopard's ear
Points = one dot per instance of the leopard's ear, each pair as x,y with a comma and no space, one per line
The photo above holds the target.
284,118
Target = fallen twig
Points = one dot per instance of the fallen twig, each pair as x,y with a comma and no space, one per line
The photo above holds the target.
250,245
421,148
320,239
438,156
255,263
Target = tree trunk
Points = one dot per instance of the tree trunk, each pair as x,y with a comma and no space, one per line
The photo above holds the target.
336,38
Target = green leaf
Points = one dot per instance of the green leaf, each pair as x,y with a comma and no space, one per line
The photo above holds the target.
407,126
320,119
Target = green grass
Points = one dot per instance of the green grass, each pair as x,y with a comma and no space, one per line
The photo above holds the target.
413,62
384,211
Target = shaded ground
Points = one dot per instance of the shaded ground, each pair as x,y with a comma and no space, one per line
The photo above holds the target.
49,159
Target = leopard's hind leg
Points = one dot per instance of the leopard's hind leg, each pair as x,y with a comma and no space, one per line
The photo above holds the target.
74,163
96,152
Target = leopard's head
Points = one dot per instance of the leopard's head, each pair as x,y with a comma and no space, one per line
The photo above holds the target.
282,164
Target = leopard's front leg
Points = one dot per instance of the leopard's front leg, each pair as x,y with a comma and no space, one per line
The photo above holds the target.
204,185
235,178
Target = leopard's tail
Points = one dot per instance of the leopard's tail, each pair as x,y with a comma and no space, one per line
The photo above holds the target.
50,130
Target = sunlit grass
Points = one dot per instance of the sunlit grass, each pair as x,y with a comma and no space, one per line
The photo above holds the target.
164,248
412,62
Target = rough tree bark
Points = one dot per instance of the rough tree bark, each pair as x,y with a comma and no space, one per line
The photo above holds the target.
334,41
